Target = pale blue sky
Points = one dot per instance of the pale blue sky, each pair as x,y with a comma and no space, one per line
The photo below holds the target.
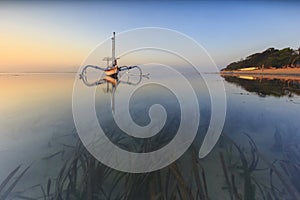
228,30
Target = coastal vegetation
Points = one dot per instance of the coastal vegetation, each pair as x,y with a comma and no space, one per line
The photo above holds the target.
270,58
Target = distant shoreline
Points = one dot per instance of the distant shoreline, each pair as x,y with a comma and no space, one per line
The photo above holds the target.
278,72
33,73
283,74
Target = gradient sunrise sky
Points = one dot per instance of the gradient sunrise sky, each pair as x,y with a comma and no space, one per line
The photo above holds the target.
58,36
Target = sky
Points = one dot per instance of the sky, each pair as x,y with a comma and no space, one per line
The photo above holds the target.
50,36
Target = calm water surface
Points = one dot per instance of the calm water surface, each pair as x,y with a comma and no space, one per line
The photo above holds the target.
257,156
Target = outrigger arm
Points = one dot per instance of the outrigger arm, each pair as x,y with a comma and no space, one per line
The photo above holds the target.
122,68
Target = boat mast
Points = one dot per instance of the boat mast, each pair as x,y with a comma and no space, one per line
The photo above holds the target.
113,50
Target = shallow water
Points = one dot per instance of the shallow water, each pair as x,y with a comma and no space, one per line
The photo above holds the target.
37,130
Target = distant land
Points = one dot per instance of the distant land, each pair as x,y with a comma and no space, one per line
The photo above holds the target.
268,60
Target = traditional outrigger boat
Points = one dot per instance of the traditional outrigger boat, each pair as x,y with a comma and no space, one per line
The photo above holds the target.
112,69
112,77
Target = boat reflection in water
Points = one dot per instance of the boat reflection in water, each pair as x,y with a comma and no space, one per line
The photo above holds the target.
114,80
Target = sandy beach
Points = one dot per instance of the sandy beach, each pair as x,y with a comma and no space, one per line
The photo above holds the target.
286,73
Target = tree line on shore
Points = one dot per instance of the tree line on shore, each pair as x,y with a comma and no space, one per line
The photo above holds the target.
270,58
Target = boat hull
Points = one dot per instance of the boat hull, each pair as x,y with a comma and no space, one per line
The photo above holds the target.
111,80
111,71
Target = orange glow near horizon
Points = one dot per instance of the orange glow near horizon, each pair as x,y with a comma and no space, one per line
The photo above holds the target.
38,52
23,92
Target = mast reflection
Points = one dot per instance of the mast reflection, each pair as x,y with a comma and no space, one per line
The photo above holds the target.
112,82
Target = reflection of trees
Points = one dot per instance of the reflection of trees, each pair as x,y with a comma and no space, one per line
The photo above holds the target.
266,87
